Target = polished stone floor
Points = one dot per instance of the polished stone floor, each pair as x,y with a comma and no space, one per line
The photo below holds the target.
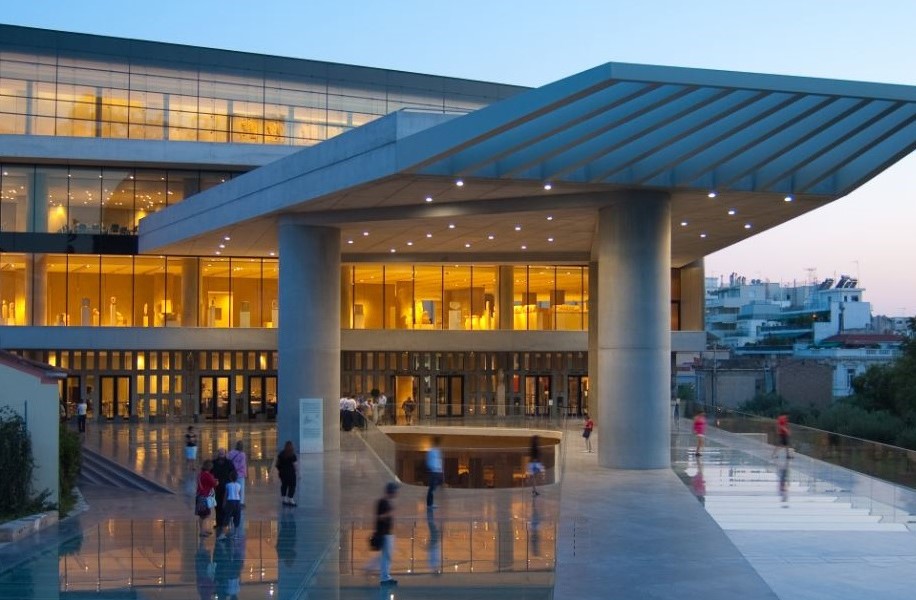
762,528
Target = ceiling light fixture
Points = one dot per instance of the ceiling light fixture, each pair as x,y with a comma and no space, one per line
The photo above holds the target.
789,198
712,194
393,250
550,239
550,217
747,225
518,227
429,235
349,241
451,225
683,223
459,182
491,236
467,244
524,247
221,246
227,238
273,253
547,186
429,198
732,211
410,243
702,235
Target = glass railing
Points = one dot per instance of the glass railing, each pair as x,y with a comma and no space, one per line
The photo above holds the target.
482,463
879,475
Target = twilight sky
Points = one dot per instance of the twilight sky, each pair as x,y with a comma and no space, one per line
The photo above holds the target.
533,42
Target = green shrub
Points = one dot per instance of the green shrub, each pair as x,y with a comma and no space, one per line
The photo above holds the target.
71,457
17,498
907,438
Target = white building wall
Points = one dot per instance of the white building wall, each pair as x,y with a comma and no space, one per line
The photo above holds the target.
37,403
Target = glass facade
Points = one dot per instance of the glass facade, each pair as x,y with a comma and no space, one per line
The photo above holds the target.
122,93
92,200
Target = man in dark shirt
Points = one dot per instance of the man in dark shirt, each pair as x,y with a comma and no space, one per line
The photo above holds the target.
222,470
384,516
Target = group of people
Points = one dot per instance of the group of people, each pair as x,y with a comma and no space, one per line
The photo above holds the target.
357,411
220,487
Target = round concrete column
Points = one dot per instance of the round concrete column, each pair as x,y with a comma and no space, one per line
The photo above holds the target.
633,331
308,336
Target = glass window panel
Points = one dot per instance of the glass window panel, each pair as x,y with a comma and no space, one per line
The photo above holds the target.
523,311
118,201
150,193
209,179
428,294
270,290
149,288
400,311
483,297
146,115
368,294
179,304
215,298
457,284
181,184
246,291
115,115
84,303
85,200
541,285
16,197
117,291
13,299
568,300
50,206
182,117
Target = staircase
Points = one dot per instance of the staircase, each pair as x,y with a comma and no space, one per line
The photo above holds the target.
100,471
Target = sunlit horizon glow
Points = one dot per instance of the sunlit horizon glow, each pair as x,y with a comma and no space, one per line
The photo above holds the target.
867,234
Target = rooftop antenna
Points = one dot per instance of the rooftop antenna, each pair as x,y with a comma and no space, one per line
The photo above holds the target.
812,275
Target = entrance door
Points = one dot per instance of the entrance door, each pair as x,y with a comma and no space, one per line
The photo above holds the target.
537,393
115,397
449,396
214,397
262,396
69,394
577,395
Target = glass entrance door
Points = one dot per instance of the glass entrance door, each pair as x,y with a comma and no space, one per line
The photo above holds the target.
537,393
262,396
69,394
576,395
214,397
450,396
115,397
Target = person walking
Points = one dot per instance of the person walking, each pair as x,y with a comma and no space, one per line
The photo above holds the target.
587,432
206,485
535,466
233,503
677,413
286,466
384,521
240,461
408,407
222,470
190,447
82,407
782,434
699,429
434,469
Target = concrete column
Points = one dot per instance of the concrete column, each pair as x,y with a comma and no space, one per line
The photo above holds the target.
633,330
190,284
308,338
505,300
594,407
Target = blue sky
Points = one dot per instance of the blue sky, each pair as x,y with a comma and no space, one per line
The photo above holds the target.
869,233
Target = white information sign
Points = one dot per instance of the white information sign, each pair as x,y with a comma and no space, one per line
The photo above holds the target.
311,425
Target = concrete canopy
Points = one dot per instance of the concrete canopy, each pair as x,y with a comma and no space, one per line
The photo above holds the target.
769,148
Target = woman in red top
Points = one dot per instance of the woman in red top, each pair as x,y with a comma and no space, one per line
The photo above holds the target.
699,428
782,432
206,484
587,432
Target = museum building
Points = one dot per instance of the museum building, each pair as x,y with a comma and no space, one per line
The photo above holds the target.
436,238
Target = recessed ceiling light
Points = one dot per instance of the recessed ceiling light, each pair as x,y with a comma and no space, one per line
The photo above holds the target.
702,235
467,244
365,233
732,211
524,247
712,194
410,243
429,235
518,227
747,225
491,236
451,225
218,252
547,186
459,182
393,250
788,198
550,239
683,223
273,253
349,241
429,198
550,217
221,246
227,238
